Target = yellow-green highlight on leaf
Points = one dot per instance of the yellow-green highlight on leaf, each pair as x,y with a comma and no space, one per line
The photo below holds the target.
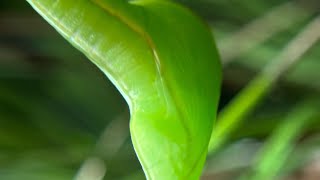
164,62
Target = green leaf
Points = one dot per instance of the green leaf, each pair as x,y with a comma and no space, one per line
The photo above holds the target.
164,62
277,149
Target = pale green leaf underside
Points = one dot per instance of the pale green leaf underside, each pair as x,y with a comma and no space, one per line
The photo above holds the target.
163,61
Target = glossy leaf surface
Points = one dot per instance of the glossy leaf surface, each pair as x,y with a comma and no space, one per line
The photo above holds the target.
163,61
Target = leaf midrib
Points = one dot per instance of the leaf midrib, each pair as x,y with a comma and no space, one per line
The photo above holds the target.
144,35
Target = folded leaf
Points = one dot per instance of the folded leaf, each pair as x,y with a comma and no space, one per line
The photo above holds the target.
163,61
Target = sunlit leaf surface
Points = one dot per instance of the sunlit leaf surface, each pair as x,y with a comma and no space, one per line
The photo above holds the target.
163,61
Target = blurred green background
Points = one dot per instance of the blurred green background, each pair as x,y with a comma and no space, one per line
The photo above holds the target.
61,118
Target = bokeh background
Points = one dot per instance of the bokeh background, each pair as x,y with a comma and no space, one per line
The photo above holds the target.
61,118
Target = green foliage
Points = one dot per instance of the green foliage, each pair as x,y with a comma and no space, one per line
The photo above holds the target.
61,118
163,61
275,153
